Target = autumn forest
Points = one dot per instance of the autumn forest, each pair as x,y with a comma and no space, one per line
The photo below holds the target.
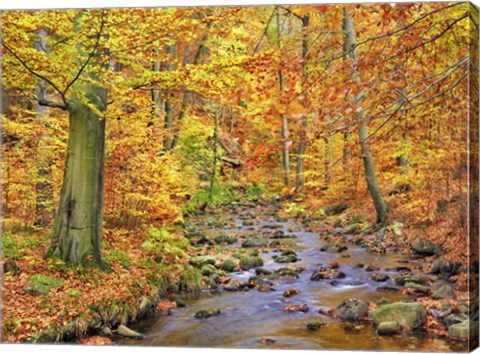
297,176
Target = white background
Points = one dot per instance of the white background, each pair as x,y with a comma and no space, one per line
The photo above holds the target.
71,349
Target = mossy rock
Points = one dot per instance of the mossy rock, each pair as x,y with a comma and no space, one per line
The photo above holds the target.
418,279
291,258
335,209
208,269
228,265
465,330
444,292
42,284
201,261
351,310
247,263
258,241
224,239
388,328
411,314
426,248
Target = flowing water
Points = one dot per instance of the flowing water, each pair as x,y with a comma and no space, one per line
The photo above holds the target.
248,316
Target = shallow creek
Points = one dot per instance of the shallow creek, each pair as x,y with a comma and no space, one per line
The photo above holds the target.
248,316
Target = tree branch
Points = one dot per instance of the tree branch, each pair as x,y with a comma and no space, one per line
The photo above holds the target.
47,103
34,73
82,68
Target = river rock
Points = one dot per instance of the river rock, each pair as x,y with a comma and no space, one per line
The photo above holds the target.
411,314
224,239
333,248
228,266
247,263
454,318
335,209
278,235
248,223
201,261
315,326
425,248
290,258
379,277
351,310
127,332
445,267
327,273
290,292
257,241
203,314
262,271
265,288
422,289
287,272
465,330
272,226
444,292
208,269
417,278
388,328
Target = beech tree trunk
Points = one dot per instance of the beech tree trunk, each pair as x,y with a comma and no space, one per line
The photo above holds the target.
362,125
78,222
300,178
285,133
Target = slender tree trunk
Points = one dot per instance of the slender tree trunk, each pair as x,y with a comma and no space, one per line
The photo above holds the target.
78,222
185,101
43,184
285,133
213,176
300,178
169,111
362,125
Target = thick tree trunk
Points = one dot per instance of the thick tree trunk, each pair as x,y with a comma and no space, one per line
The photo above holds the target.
362,125
78,222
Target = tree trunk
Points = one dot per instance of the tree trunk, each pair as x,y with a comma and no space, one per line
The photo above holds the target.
300,179
362,125
169,112
43,184
78,222
285,134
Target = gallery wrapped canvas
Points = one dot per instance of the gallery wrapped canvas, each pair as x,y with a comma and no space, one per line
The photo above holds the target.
265,176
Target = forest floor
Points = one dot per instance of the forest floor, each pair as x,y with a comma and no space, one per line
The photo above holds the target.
240,247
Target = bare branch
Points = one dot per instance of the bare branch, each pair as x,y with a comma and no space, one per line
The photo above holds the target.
47,103
290,12
265,31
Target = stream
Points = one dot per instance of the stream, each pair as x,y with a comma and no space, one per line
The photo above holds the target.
247,316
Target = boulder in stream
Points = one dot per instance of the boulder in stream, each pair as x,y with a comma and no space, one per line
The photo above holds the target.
444,292
203,314
247,263
388,328
256,241
351,310
127,332
465,330
407,314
